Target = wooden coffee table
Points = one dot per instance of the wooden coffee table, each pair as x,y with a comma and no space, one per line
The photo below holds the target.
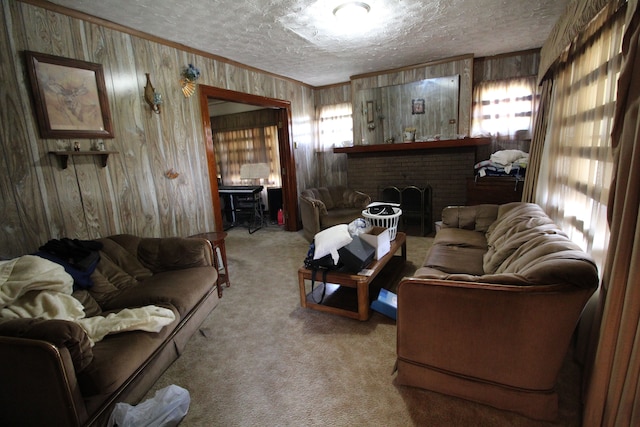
390,266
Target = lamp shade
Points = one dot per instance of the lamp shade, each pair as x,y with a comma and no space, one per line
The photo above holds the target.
254,171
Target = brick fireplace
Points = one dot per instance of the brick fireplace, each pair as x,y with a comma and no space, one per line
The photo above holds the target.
442,165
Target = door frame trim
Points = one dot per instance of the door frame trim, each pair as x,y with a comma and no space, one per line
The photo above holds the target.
285,149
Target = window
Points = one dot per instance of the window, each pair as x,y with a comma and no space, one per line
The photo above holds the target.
502,108
235,148
335,126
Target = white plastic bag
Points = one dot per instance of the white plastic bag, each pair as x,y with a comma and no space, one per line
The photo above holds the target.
165,409
358,226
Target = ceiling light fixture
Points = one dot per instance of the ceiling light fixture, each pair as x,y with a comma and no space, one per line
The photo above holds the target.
351,10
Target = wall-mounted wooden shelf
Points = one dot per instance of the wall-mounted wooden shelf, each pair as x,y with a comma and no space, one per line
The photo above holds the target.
63,156
406,146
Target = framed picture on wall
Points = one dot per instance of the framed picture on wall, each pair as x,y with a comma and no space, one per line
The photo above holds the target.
69,97
370,112
417,106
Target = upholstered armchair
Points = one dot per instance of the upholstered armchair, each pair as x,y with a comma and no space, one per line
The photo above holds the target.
325,207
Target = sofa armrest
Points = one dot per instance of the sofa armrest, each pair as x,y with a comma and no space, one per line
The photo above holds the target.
60,333
517,336
318,205
476,218
310,212
39,384
174,253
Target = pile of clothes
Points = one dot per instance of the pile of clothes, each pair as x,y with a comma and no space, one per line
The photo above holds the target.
504,163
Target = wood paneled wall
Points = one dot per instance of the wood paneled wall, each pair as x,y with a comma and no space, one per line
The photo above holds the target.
40,201
500,67
462,66
451,189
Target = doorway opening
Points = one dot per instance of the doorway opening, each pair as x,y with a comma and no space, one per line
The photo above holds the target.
282,110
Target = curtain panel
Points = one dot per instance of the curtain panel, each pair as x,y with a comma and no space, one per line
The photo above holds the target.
613,389
238,147
334,128
575,175
537,142
575,19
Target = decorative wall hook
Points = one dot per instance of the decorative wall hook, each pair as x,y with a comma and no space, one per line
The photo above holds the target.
151,96
188,81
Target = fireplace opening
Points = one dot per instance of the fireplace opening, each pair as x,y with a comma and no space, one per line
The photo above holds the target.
416,205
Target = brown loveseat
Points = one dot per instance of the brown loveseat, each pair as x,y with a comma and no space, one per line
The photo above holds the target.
490,314
51,375
324,207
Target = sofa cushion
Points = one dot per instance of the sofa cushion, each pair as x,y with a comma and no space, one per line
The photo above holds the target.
171,253
476,218
455,259
340,196
326,197
119,356
118,249
339,216
462,238
514,226
89,304
162,289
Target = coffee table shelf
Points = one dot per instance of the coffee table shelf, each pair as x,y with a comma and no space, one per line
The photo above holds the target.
350,295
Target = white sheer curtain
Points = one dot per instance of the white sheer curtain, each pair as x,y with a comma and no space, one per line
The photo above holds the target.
238,147
335,129
335,126
503,107
577,162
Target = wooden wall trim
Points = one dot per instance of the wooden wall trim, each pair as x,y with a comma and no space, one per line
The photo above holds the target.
413,67
287,160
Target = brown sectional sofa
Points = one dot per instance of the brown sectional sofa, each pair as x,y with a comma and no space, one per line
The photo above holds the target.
490,314
51,375
324,207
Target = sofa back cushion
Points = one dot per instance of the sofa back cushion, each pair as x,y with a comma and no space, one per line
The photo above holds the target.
476,218
524,241
171,253
515,224
118,268
323,194
341,197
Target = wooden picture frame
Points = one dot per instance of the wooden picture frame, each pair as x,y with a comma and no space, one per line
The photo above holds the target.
417,106
69,96
370,112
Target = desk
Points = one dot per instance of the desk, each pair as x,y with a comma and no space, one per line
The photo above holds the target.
244,201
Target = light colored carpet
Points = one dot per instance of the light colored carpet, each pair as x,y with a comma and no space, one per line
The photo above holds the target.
262,360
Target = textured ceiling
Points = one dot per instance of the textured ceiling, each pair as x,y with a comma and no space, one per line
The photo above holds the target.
299,39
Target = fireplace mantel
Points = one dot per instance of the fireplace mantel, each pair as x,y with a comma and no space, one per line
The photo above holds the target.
408,146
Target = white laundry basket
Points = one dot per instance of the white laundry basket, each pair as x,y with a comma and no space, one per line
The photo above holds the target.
385,221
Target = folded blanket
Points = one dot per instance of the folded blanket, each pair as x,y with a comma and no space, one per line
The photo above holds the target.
34,287
506,157
31,273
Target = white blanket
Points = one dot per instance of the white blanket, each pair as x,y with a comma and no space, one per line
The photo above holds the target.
34,287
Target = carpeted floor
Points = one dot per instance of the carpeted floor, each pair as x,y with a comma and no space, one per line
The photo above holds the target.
262,360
